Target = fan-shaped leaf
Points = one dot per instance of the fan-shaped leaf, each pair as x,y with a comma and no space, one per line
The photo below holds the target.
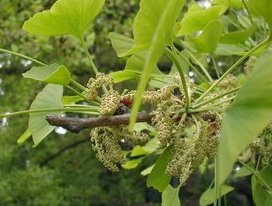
246,117
209,38
65,17
153,30
170,196
196,19
158,178
54,73
49,97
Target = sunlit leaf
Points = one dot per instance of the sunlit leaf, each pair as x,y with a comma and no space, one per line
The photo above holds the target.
196,19
49,97
25,136
120,43
131,164
153,29
208,197
243,172
158,178
209,38
138,151
170,196
154,24
246,117
147,171
53,73
65,17
236,4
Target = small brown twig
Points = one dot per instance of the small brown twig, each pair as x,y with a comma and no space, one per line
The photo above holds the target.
77,124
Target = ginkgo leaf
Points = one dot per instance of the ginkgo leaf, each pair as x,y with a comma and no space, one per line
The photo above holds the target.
154,16
196,19
120,43
237,37
170,196
246,117
53,73
65,17
158,177
209,38
262,8
49,97
153,30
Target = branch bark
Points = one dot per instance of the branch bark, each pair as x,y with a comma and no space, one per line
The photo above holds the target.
77,124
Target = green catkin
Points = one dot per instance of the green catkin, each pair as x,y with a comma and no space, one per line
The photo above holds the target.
230,82
107,148
94,84
262,146
109,104
105,142
250,64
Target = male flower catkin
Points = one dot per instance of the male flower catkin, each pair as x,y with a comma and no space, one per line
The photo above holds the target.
109,104
94,84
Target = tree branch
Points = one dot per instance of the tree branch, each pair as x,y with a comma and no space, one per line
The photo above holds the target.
77,124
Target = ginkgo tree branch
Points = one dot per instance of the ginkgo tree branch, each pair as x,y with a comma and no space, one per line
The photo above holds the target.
77,124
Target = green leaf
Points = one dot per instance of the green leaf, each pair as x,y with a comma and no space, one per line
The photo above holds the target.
154,24
158,178
237,37
208,197
248,115
262,8
25,136
236,4
53,73
120,43
260,195
209,38
134,68
147,171
131,164
67,100
170,196
65,17
153,29
266,175
269,200
243,172
138,151
196,19
49,97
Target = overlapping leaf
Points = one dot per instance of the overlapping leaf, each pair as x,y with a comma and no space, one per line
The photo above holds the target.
49,97
65,17
197,18
53,73
158,178
153,30
170,196
246,117
209,38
